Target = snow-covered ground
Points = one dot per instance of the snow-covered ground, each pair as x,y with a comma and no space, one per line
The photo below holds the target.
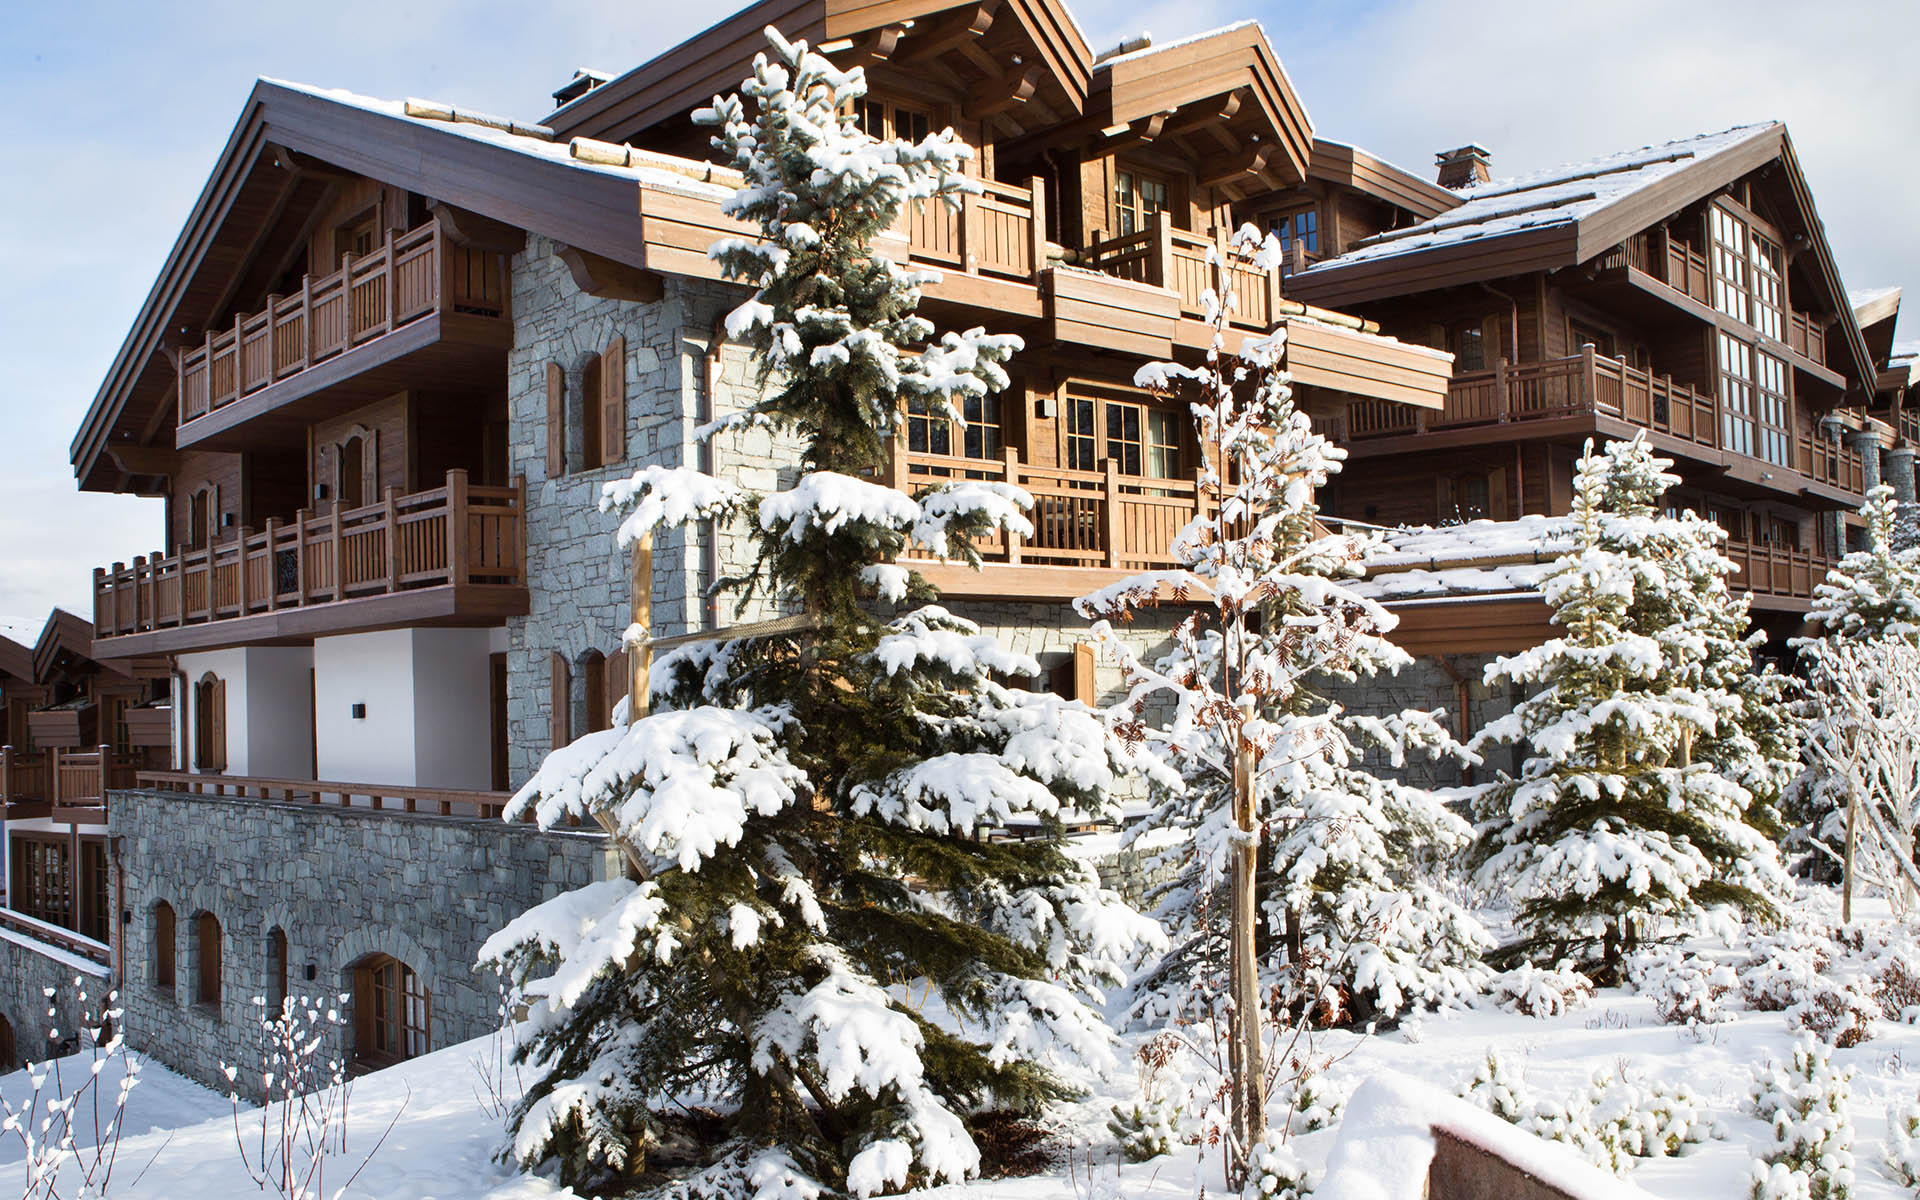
441,1142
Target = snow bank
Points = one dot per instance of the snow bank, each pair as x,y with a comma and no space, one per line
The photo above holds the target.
1386,1146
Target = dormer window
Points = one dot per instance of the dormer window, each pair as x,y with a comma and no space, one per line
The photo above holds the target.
1137,196
1300,226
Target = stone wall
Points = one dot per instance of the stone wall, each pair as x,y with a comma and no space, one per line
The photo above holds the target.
1427,685
342,883
28,970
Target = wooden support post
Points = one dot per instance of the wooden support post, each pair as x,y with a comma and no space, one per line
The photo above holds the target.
339,554
1110,523
640,656
971,238
6,775
306,320
1011,465
1037,229
1160,266
393,542
99,590
239,355
273,356
457,539
300,520
241,590
392,290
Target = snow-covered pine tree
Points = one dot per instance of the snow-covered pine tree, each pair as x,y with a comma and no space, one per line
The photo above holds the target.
1347,909
1875,592
1634,803
820,967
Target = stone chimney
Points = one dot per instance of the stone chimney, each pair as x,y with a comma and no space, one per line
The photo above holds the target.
1465,167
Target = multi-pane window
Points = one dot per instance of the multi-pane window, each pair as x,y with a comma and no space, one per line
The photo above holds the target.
1469,347
1082,451
96,902
1163,444
982,433
1736,395
879,119
1137,196
42,886
929,431
392,1010
1124,427
1776,415
1301,226
1769,286
1730,256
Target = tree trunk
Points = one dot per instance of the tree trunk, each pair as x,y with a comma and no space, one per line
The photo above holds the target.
1249,1075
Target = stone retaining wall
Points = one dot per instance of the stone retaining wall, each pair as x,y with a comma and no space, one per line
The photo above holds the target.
342,883
28,970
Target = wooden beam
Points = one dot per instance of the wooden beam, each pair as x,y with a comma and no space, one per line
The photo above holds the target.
476,232
1135,133
1218,110
1250,162
944,34
990,97
143,460
297,163
598,276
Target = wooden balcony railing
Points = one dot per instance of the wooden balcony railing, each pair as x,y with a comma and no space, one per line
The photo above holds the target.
1080,518
1672,262
55,936
420,801
1175,259
1588,383
1772,569
1000,231
411,275
1807,336
457,534
64,779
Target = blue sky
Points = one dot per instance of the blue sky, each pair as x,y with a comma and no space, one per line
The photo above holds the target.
112,115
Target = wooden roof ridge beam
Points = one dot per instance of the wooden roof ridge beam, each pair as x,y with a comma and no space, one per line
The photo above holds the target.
993,96
433,110
941,35
597,275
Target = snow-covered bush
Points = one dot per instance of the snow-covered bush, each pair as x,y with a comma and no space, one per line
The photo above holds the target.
1309,1099
1782,968
1903,1140
1542,992
1146,1128
1618,1117
1840,1012
1864,700
1686,988
1645,798
1807,1102
1275,1172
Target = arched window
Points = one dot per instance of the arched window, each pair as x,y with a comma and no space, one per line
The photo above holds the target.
351,472
392,1013
8,1057
206,935
210,723
593,687
276,971
163,946
200,506
590,426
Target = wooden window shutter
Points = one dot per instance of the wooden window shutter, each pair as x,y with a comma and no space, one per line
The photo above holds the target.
613,402
561,719
1491,331
1084,688
217,726
1498,507
556,421
616,680
1445,506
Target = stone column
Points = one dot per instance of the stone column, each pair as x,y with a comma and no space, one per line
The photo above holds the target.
1899,475
1833,525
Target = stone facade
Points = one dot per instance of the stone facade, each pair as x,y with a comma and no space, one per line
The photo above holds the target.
341,883
44,1026
1426,685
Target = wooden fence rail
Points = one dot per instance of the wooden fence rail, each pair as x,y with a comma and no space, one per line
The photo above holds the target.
432,802
64,780
1177,260
55,936
460,533
408,276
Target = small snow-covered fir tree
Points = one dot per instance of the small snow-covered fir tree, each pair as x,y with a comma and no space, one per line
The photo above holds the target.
1274,777
1875,592
816,945
1636,802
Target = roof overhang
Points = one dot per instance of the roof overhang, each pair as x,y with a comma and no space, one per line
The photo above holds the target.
1351,167
64,635
16,661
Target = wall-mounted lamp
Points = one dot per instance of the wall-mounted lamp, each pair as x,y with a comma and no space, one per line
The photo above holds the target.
360,712
313,972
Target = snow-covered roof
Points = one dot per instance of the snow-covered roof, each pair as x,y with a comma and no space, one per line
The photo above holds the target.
1160,47
1479,558
655,174
1872,305
22,630
1558,196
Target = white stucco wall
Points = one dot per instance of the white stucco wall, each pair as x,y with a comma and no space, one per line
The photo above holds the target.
269,708
426,693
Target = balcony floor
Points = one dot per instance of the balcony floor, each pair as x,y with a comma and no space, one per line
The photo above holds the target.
456,605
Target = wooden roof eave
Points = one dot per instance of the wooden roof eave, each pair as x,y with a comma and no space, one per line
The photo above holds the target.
1472,261
1829,272
714,61
65,632
1351,167
16,661
156,311
590,210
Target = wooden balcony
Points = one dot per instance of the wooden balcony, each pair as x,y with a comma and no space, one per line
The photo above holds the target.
452,555
1771,569
1177,260
1089,527
418,275
1588,386
66,785
1684,269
